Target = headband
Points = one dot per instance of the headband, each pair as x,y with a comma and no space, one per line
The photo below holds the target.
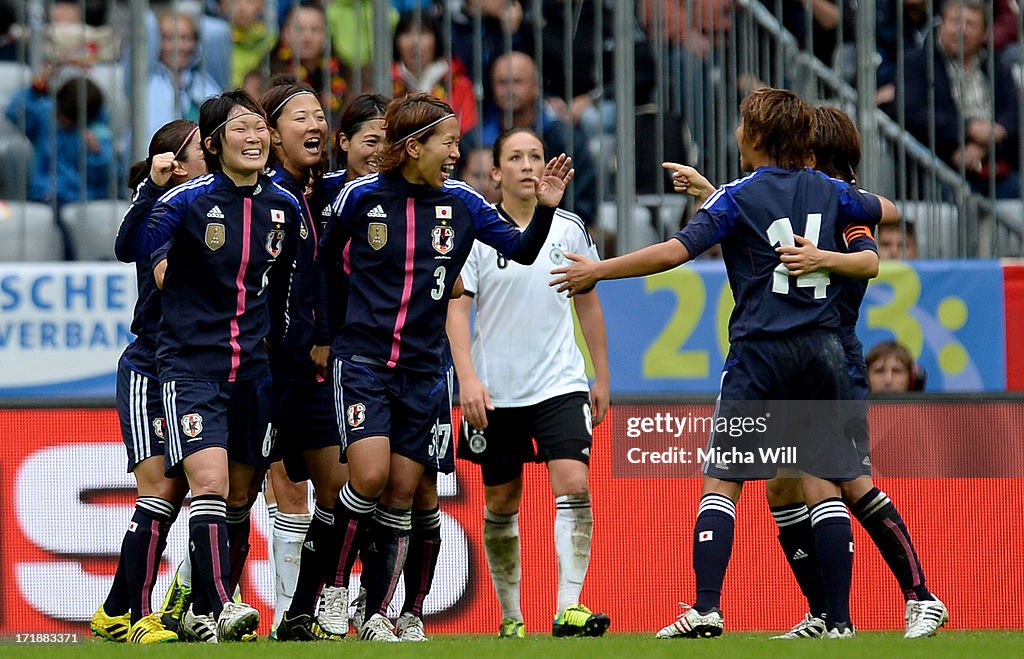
288,98
424,129
188,139
237,116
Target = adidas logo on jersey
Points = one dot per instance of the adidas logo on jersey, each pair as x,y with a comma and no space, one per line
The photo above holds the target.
215,212
800,553
308,544
377,212
326,212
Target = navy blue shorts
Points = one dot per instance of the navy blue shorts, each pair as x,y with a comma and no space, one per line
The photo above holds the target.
561,427
141,413
304,419
787,393
858,424
405,407
231,415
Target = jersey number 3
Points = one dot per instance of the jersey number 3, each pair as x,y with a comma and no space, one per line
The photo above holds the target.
781,232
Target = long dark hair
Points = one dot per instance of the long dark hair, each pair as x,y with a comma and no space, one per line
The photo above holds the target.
171,138
213,114
284,86
363,108
836,144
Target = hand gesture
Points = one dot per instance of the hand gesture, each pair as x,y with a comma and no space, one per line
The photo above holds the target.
689,181
802,259
163,166
557,175
576,278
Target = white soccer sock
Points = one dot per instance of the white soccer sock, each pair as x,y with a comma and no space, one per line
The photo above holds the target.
271,518
289,532
574,525
185,571
501,542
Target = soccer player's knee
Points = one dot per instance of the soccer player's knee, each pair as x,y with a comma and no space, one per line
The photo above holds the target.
783,491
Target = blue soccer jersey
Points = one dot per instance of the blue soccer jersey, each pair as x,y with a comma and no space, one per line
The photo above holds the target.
752,216
407,244
224,241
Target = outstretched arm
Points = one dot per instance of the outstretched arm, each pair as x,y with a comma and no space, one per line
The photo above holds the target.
584,273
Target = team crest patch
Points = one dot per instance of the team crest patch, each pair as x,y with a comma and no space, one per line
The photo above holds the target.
158,427
556,255
275,240
477,442
356,415
192,424
377,234
215,233
442,237
303,231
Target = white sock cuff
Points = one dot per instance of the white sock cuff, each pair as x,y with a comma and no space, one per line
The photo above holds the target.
291,526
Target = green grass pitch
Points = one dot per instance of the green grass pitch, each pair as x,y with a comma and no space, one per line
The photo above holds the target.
735,645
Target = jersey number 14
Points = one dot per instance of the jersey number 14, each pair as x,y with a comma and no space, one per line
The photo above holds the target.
781,232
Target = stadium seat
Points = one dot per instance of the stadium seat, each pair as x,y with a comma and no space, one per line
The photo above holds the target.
28,233
16,154
935,227
93,226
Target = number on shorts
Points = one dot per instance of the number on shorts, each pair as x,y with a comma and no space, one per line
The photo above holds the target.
442,437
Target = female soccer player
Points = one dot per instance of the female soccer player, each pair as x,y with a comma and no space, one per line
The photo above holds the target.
526,379
226,231
175,156
409,230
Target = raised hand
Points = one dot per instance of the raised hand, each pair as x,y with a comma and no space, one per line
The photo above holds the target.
689,181
551,186
162,167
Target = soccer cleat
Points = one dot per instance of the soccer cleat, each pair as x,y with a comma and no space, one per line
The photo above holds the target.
199,628
303,627
179,596
809,627
512,628
578,620
110,628
410,628
237,622
840,630
378,628
924,617
149,630
360,614
691,623
333,616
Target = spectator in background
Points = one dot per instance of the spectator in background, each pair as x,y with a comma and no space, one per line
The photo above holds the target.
178,85
892,370
517,102
352,39
251,39
970,109
503,26
81,136
477,171
917,23
302,51
893,245
419,65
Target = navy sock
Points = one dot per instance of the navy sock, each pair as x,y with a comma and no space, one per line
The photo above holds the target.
141,550
319,556
833,539
797,540
385,556
352,513
879,517
239,528
421,561
208,545
712,548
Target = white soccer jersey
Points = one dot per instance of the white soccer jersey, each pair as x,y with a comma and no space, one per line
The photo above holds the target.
524,348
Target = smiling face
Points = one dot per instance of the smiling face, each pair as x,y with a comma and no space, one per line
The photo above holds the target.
299,135
432,159
522,159
246,145
363,149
